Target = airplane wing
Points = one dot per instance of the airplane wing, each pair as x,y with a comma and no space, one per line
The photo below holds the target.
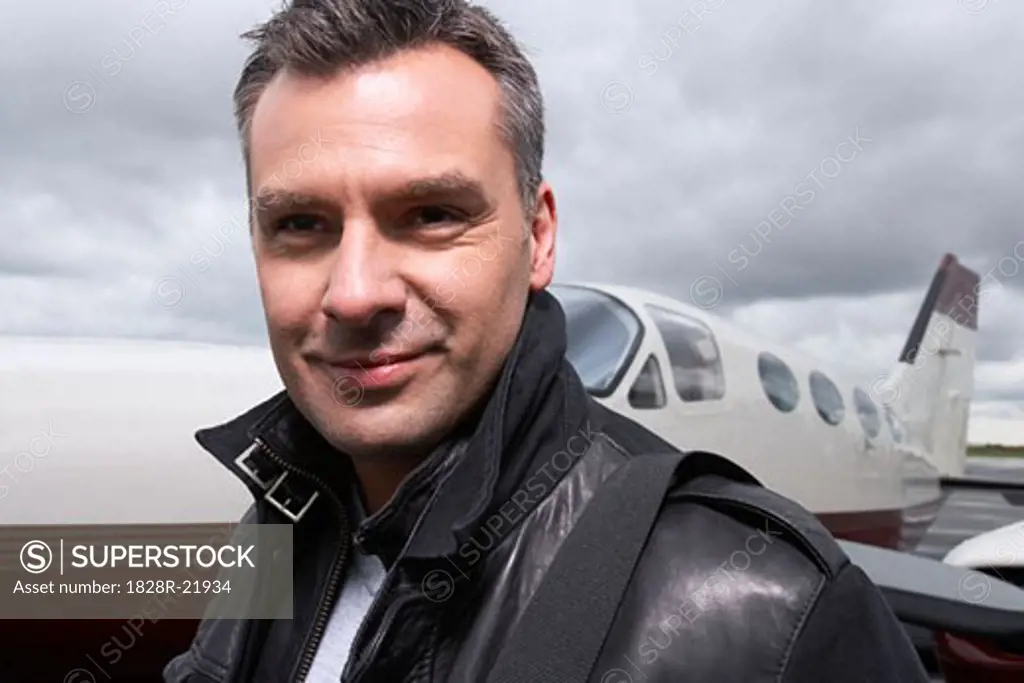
1013,491
943,597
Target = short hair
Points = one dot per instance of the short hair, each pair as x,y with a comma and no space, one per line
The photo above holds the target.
321,37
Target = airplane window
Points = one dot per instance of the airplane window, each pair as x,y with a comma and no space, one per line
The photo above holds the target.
827,399
899,431
602,336
867,411
779,382
648,391
692,351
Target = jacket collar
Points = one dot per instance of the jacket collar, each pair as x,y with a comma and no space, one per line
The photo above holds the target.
450,495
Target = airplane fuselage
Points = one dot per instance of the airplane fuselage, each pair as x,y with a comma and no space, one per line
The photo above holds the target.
801,427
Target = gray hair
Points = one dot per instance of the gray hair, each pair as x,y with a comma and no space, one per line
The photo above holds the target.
320,37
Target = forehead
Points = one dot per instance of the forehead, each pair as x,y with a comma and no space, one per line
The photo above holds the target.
417,113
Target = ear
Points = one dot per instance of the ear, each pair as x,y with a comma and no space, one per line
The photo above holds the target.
542,238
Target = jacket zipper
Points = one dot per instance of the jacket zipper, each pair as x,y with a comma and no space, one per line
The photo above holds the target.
337,568
356,667
367,655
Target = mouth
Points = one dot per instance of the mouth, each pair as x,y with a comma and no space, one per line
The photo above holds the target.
377,370
374,360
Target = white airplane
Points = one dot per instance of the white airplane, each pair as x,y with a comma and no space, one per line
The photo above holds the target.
98,431
874,461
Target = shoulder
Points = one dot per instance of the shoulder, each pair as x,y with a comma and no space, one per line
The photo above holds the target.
725,585
747,509
738,582
715,490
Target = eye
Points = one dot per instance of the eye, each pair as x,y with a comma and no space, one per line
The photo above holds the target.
436,215
299,223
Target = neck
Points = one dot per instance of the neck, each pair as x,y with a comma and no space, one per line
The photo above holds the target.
381,476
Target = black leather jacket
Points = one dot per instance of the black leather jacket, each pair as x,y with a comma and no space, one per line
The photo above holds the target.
735,584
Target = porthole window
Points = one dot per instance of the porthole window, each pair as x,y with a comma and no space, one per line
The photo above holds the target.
648,391
778,381
867,411
896,426
827,399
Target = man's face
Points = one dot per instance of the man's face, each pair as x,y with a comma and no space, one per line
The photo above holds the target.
393,255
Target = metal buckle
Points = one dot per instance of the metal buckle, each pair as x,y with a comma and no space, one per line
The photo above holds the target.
271,486
293,516
241,463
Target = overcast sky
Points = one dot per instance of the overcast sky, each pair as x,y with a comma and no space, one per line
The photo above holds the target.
675,131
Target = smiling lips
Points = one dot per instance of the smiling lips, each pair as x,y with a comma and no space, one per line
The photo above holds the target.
379,370
375,359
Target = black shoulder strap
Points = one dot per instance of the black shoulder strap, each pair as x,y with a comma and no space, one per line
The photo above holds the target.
562,631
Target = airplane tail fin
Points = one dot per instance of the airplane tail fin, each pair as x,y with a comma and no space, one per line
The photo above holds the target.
932,385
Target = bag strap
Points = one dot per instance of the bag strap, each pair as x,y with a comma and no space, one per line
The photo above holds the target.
563,629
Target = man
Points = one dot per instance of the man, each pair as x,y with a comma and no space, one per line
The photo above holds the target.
404,237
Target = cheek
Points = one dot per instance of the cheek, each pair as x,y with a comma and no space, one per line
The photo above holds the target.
470,277
472,289
291,296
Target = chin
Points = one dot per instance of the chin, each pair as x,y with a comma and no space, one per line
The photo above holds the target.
381,436
378,426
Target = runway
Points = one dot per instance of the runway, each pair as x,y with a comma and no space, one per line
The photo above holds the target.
967,513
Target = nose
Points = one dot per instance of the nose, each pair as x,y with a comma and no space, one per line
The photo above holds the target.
365,287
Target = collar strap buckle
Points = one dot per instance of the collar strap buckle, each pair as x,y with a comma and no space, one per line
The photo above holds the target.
288,494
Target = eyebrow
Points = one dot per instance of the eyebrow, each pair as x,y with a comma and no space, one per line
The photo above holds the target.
269,197
450,183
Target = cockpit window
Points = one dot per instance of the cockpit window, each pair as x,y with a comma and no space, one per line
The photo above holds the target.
693,353
648,390
602,336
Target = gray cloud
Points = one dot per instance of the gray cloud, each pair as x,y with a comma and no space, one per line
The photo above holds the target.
678,146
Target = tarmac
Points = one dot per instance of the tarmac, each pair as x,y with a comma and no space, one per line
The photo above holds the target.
968,513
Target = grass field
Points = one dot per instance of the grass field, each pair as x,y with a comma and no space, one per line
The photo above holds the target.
996,450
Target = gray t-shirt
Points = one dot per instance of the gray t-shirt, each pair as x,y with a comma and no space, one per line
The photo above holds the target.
365,574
